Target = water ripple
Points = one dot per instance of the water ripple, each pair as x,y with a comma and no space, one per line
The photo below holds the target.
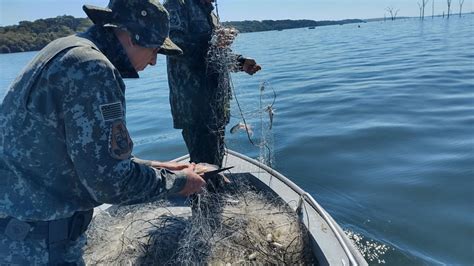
376,122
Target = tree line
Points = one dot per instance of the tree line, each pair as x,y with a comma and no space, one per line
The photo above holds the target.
33,36
267,25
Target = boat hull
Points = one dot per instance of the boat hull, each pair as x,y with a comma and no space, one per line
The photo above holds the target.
329,243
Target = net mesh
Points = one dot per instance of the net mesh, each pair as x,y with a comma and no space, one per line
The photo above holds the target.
221,61
238,225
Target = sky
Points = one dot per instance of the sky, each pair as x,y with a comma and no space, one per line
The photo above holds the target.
13,11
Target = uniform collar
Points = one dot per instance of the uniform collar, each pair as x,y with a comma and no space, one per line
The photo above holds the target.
111,47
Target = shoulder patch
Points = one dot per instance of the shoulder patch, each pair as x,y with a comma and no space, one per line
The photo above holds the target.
120,143
111,111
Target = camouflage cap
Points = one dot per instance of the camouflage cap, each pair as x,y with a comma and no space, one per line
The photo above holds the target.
147,21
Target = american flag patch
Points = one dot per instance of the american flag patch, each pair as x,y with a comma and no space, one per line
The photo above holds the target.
111,111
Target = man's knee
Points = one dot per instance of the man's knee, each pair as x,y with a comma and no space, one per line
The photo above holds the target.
37,252
30,252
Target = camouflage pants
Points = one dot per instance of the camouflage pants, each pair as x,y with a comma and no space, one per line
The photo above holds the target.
36,252
205,144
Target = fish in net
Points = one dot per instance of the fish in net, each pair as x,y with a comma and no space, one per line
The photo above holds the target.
221,61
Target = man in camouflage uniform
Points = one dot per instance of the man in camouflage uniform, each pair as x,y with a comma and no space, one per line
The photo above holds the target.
199,95
64,144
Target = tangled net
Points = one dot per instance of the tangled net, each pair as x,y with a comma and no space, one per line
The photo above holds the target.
221,61
220,57
235,226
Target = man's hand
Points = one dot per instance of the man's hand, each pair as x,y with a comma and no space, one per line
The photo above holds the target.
250,66
173,166
194,182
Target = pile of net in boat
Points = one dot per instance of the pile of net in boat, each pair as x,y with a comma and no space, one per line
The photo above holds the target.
233,226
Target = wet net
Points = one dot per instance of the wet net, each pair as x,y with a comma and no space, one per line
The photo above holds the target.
255,119
238,225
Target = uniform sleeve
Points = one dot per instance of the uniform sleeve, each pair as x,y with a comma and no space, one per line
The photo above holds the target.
239,63
180,30
97,137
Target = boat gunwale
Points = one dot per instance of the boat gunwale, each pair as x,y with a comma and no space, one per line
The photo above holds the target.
303,195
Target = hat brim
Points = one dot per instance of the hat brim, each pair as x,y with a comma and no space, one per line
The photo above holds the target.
98,15
170,48
103,17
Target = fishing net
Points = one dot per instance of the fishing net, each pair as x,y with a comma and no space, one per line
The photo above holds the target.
220,60
255,119
238,225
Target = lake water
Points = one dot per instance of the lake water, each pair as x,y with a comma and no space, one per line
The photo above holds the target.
376,122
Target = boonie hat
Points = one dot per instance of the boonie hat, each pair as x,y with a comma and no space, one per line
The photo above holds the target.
147,22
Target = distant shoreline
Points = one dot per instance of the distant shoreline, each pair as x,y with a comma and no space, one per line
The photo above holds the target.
34,35
30,36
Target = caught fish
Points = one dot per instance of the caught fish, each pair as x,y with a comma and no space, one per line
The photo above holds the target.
212,174
201,168
243,127
271,113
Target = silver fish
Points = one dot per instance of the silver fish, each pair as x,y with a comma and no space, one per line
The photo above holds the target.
271,113
242,126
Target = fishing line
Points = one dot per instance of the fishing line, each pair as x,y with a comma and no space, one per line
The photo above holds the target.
263,142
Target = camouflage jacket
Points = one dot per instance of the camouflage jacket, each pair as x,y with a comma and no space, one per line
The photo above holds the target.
195,92
64,145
